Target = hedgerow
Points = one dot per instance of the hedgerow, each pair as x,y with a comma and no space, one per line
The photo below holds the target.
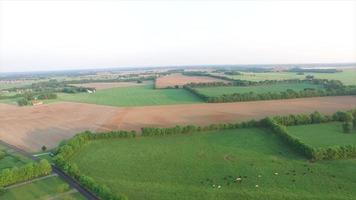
67,149
24,173
330,88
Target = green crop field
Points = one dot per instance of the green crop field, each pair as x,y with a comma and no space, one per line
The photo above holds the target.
280,87
10,158
49,188
348,77
323,135
231,164
133,96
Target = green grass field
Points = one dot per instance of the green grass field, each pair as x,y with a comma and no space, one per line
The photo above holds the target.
133,96
12,159
348,77
193,166
281,87
42,189
323,135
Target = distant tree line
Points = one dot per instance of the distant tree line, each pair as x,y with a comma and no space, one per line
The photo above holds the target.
329,88
315,70
24,173
68,148
119,79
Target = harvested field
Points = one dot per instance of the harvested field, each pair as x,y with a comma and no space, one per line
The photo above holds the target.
102,86
179,79
32,127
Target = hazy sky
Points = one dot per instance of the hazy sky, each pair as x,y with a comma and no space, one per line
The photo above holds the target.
48,35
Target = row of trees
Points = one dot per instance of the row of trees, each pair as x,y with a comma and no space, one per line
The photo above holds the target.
24,173
278,126
329,153
295,143
313,118
330,88
68,148
192,128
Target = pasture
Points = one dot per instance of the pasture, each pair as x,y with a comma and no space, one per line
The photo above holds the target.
48,188
9,158
133,96
347,76
260,89
323,135
231,164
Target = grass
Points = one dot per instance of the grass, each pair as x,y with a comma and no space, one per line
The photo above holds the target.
280,87
133,96
12,159
323,135
41,189
187,166
348,77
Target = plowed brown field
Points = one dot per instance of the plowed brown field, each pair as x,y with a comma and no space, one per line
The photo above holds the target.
179,79
32,127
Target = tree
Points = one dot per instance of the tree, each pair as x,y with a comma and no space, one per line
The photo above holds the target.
44,148
346,127
2,154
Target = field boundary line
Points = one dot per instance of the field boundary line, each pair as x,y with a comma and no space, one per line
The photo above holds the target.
31,181
61,194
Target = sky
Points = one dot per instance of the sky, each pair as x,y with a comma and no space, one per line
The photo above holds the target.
55,35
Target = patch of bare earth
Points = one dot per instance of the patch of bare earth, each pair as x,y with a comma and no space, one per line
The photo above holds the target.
107,85
180,80
32,127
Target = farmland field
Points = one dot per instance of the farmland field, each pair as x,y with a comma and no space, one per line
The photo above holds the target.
179,80
49,188
348,76
133,96
280,87
31,127
323,135
231,164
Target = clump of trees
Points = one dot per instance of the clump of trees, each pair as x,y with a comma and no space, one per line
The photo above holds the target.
24,173
348,121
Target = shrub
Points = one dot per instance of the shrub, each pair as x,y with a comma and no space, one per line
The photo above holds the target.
346,127
2,154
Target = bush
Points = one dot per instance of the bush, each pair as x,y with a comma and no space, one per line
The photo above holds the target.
2,154
346,127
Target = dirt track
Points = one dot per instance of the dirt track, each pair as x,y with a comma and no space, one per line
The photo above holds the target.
32,127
